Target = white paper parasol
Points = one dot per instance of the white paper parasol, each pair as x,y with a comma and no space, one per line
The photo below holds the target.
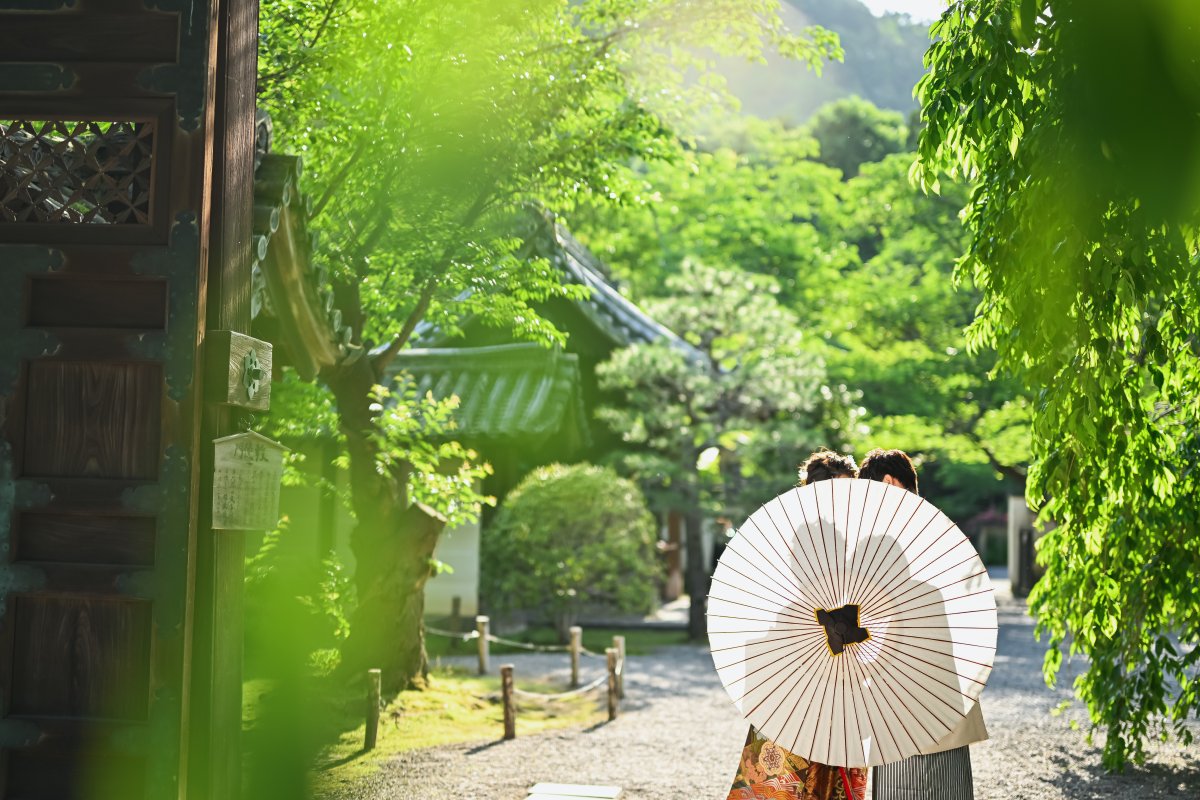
852,622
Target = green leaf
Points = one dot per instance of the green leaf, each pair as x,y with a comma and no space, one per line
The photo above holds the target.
1024,21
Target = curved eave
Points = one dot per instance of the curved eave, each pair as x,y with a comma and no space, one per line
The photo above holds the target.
618,320
291,296
303,315
621,320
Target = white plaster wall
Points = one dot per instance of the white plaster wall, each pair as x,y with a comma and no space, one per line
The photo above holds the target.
1019,516
458,547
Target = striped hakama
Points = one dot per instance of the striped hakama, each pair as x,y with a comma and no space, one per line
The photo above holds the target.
937,776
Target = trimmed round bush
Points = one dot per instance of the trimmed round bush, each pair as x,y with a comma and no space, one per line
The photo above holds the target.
568,537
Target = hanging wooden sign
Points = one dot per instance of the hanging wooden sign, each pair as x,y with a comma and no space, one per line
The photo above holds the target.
239,370
249,470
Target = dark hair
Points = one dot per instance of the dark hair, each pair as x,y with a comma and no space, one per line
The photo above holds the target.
825,464
896,463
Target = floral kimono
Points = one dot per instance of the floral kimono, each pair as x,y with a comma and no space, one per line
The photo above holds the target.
768,772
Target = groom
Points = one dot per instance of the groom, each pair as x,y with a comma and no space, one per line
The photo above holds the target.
942,771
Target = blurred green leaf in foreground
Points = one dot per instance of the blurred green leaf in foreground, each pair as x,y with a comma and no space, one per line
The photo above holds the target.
1079,121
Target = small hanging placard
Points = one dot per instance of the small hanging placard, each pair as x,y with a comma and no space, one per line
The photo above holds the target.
249,469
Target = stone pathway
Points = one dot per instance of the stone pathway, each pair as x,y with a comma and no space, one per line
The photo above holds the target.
678,738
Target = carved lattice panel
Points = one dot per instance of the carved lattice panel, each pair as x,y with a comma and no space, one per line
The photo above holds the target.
60,171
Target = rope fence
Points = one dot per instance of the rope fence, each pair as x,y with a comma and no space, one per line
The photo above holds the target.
560,695
451,634
486,638
614,677
492,638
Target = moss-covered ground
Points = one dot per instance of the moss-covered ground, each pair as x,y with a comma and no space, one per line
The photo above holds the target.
456,706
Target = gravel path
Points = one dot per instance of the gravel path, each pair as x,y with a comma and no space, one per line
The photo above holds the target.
678,738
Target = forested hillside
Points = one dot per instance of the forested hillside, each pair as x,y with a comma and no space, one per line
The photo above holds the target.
882,63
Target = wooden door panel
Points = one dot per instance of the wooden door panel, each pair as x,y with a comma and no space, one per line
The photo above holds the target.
85,539
107,212
90,420
108,303
105,152
80,657
45,37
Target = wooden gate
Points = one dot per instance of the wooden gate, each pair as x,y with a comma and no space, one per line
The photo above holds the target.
119,611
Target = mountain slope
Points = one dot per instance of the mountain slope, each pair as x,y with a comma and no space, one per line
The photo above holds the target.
883,63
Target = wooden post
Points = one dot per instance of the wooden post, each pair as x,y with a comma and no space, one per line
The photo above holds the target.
510,709
373,683
619,646
576,647
611,654
481,627
455,621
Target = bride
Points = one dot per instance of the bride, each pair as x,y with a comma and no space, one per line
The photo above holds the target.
768,771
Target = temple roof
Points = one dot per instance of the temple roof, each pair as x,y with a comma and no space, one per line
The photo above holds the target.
514,392
619,320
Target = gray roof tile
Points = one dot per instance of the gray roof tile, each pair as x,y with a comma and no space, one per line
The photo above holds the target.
513,393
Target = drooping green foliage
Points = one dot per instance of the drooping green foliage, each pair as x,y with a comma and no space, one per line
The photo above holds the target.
1080,123
568,538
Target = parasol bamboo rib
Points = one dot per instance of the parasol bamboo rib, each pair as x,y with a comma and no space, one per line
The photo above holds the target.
758,641
795,577
892,610
724,583
790,578
877,579
871,568
776,588
757,655
799,619
860,571
791,656
815,582
940,589
911,575
825,546
807,528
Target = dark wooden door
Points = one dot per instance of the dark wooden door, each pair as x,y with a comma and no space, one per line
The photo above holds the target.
108,132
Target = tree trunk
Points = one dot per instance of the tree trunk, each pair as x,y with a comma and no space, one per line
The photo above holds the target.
698,575
391,552
563,620
392,544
